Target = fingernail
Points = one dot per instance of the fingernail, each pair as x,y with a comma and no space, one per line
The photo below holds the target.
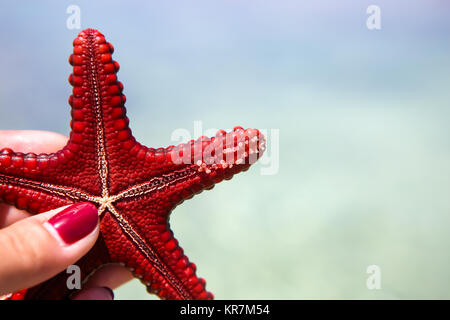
94,293
110,292
75,222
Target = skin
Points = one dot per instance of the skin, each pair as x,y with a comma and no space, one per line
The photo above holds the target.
41,255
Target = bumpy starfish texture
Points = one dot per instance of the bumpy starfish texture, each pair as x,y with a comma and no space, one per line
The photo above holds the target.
134,187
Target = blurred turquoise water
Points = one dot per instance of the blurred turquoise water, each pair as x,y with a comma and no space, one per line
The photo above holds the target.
364,152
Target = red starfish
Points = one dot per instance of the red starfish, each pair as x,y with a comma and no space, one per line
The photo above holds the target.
134,187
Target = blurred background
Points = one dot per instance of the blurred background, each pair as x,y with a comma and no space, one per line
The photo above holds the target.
363,131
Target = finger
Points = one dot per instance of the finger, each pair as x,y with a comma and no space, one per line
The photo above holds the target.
9,215
111,276
37,248
32,141
26,141
94,293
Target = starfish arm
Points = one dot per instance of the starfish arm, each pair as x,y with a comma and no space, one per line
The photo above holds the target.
24,185
98,114
32,196
196,165
145,245
99,123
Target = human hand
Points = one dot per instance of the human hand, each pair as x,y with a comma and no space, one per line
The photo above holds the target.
36,248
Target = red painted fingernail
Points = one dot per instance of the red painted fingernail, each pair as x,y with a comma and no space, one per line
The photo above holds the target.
75,222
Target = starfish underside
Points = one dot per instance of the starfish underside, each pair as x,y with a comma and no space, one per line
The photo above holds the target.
134,187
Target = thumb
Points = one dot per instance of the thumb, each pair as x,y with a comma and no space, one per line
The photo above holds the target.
34,249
